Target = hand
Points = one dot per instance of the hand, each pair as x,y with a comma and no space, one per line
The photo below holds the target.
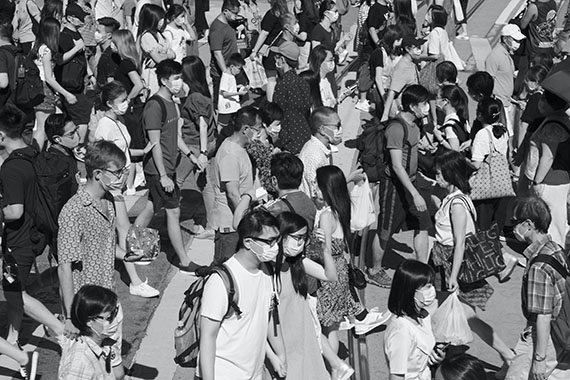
253,56
243,90
452,284
437,133
384,119
436,356
149,147
356,176
167,184
465,145
196,162
320,235
420,203
70,98
79,44
539,370
538,189
70,331
203,161
278,365
91,82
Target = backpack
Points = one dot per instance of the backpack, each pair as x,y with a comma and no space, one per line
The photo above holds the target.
73,75
27,88
372,147
51,175
35,23
187,333
560,326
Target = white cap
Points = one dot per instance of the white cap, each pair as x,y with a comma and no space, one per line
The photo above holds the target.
512,30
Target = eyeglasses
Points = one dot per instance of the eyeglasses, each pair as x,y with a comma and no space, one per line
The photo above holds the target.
516,222
333,126
300,238
71,134
111,316
269,242
235,13
118,173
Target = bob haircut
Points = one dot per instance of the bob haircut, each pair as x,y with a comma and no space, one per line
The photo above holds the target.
252,225
462,367
409,277
414,95
454,169
438,16
536,210
89,302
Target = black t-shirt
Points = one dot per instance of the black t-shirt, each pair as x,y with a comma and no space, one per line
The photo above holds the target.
107,66
271,24
122,74
17,178
378,19
7,60
376,60
324,37
66,38
531,111
67,190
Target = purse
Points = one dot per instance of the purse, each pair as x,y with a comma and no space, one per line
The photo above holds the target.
493,179
356,278
143,244
482,257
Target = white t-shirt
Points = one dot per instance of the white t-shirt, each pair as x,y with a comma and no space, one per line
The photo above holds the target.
240,345
231,104
327,95
115,131
43,50
482,144
407,346
438,42
176,38
443,229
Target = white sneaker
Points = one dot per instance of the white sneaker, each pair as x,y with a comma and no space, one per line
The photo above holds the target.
363,106
29,371
143,290
462,36
373,319
344,372
345,325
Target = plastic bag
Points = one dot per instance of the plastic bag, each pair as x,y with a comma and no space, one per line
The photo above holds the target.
255,73
143,244
449,322
363,213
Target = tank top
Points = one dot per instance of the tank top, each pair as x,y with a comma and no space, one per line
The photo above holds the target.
541,30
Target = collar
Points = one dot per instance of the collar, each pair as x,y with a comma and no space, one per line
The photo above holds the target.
533,249
452,116
326,151
97,350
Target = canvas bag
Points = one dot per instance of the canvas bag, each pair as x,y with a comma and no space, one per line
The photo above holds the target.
255,73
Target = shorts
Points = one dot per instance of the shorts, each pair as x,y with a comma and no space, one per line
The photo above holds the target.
19,263
116,328
397,211
225,245
50,103
80,112
159,197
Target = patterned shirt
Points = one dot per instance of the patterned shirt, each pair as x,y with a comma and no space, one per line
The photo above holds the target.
84,360
86,239
544,285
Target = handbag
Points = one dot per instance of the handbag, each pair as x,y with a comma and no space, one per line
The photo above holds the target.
356,278
143,244
482,257
493,179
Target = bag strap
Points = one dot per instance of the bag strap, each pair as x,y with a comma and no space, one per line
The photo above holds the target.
286,201
275,39
225,273
462,198
555,264
157,98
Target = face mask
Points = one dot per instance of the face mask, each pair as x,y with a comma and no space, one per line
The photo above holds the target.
425,296
265,253
111,183
518,235
424,111
515,45
121,108
295,29
99,37
335,136
251,134
101,328
175,86
274,127
292,247
333,16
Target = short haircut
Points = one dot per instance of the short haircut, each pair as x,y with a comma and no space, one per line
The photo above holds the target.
536,210
326,5
245,116
90,302
536,73
101,154
6,31
446,71
269,112
167,68
481,83
454,169
462,367
414,95
287,170
438,16
109,23
12,121
409,277
230,5
555,101
252,223
110,92
235,60
55,125
290,62
319,117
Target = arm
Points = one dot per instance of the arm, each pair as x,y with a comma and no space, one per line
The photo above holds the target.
529,15
314,44
388,105
4,81
154,137
260,41
374,36
220,59
402,175
378,80
276,342
13,212
242,207
326,273
137,85
542,336
65,286
209,329
459,228
68,55
232,190
50,78
327,224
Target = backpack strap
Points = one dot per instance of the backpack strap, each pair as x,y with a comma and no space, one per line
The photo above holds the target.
227,277
13,77
157,98
286,201
555,264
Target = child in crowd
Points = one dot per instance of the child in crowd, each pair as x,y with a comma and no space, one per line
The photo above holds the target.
228,99
178,32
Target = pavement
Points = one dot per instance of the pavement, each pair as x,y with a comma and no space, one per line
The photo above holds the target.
149,337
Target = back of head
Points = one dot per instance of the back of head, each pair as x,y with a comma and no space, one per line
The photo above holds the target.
111,25
167,68
194,75
534,209
245,116
6,31
149,18
536,73
52,8
489,110
320,117
313,80
287,170
252,224
438,16
392,34
414,95
174,11
326,5
230,5
102,153
235,60
270,112
126,46
55,125
446,72
454,169
332,183
481,84
458,99
90,302
462,367
12,121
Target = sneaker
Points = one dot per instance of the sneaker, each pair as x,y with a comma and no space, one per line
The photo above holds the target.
29,370
143,290
189,269
345,325
344,372
380,278
462,36
373,319
363,106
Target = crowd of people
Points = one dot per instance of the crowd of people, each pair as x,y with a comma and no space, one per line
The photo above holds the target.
114,98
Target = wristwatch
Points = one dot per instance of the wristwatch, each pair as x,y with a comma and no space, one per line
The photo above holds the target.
539,358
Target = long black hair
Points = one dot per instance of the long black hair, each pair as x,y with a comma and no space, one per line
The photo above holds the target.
458,100
332,183
489,111
194,75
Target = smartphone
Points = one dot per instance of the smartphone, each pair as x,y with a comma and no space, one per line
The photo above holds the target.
441,346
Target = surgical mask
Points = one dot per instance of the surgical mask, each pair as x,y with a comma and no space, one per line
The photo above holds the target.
293,247
176,85
295,29
333,16
424,111
335,137
518,235
274,127
515,45
111,183
100,37
425,296
101,328
266,253
121,108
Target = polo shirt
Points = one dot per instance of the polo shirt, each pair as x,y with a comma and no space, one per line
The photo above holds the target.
501,67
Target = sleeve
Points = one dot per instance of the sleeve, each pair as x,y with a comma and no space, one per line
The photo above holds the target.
554,132
69,238
433,43
317,34
214,299
106,130
229,168
148,43
128,66
531,112
4,63
199,105
216,39
540,291
152,116
395,136
374,19
450,132
398,79
480,148
225,82
13,184
492,65
65,42
397,346
303,23
268,22
376,60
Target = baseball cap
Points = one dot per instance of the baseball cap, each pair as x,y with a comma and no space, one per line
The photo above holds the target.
75,10
287,49
512,30
411,40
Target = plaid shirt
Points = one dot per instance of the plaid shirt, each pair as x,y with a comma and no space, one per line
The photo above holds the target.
84,360
543,286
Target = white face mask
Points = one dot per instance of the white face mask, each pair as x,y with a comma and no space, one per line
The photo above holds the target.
99,37
121,108
264,252
176,85
424,110
333,15
425,296
335,136
295,29
293,247
274,127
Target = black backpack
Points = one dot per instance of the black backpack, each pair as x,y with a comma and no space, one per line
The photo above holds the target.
26,86
372,147
73,75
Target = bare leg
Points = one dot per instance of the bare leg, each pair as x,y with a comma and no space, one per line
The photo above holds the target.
271,83
14,352
329,354
377,252
421,246
119,372
39,131
145,217
175,235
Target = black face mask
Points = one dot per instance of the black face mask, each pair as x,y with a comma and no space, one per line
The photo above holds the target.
237,22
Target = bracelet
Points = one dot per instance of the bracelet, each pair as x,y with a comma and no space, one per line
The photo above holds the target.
247,195
539,358
188,154
204,152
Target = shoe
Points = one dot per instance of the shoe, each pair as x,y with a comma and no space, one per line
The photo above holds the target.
502,373
189,269
380,279
344,372
29,370
462,36
143,290
363,106
511,263
373,319
207,234
345,325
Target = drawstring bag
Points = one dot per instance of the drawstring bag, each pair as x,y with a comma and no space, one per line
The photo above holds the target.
449,322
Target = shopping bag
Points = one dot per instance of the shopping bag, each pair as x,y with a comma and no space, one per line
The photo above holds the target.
142,243
362,206
452,56
255,73
449,322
